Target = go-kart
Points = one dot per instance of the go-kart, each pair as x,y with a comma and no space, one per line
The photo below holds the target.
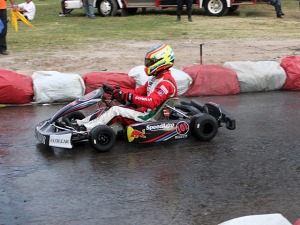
173,120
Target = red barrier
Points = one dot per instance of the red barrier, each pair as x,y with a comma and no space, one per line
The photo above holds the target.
15,88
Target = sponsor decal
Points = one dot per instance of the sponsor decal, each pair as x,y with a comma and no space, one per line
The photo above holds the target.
163,126
58,140
182,127
138,134
133,133
147,99
164,89
62,140
181,136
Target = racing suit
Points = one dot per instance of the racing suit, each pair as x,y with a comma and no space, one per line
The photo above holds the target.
147,98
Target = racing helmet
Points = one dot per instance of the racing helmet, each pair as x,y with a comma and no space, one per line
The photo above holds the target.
158,58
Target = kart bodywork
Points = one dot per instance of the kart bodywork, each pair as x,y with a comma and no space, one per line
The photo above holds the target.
172,121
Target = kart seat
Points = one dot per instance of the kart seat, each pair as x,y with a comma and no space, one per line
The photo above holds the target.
159,114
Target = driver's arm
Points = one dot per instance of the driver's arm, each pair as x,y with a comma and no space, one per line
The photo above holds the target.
161,93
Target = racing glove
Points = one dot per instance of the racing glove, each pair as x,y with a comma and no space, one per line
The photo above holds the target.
122,96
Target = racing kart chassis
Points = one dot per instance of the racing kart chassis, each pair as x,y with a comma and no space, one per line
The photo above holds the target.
172,121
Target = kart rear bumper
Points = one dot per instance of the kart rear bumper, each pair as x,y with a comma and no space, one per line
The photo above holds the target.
221,115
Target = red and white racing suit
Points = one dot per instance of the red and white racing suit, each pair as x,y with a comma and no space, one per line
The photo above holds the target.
147,98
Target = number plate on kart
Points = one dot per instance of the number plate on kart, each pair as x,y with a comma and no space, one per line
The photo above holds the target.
61,141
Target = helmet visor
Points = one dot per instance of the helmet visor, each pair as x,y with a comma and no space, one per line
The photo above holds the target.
150,62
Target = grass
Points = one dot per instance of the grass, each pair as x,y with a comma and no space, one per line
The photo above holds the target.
72,32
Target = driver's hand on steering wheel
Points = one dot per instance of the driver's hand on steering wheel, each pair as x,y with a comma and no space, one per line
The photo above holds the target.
120,95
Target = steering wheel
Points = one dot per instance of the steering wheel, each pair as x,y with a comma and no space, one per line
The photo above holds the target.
109,89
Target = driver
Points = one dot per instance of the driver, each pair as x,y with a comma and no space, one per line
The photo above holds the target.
160,87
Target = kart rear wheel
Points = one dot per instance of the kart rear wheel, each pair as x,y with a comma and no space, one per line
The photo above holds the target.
204,127
102,138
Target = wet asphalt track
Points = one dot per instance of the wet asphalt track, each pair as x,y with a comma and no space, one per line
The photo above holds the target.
252,170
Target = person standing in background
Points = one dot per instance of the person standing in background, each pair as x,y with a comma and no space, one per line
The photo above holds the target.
1,26
189,4
3,17
89,8
277,6
64,11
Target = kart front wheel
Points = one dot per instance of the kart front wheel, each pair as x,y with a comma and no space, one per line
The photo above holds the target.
204,127
102,138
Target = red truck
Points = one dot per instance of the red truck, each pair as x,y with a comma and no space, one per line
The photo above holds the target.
129,7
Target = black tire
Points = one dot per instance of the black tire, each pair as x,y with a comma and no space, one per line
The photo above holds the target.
74,116
102,138
215,7
204,127
129,11
107,8
233,8
132,11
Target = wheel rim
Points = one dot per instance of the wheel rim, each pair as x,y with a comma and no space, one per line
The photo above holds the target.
105,7
103,138
215,6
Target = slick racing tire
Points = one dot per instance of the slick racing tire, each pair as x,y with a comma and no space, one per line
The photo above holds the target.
204,127
102,138
74,116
